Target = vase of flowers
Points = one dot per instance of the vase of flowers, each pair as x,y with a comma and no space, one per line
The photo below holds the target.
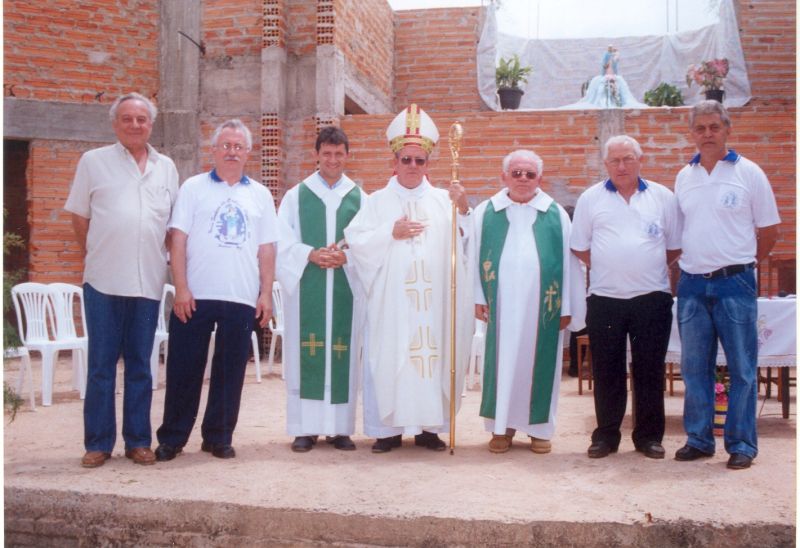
709,76
721,387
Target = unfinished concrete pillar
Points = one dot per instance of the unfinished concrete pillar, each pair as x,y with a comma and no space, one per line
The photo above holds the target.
179,94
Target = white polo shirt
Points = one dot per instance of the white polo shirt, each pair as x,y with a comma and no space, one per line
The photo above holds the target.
628,242
226,225
720,211
128,212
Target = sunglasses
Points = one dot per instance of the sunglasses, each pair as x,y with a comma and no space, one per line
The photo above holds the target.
518,173
406,160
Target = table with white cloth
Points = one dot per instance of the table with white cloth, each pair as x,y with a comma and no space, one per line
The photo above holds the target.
777,340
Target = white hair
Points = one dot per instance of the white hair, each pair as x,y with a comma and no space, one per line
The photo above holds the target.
238,125
151,108
622,140
523,154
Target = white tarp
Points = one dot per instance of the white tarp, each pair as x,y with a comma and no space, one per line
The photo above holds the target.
561,66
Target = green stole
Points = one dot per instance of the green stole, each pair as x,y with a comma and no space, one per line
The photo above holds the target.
313,286
549,246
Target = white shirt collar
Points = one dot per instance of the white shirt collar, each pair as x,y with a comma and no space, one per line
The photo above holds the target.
404,192
541,200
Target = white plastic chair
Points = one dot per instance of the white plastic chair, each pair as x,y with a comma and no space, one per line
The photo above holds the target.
33,304
276,325
475,366
162,332
25,372
256,354
63,297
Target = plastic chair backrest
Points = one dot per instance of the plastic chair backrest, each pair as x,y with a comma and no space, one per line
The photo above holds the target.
167,293
63,297
34,312
276,322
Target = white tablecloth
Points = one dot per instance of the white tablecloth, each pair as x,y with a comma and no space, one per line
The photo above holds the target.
777,334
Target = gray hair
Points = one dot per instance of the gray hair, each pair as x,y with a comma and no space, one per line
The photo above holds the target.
622,140
709,107
151,108
523,154
236,124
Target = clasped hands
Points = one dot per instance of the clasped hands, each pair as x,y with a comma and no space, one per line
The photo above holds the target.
328,257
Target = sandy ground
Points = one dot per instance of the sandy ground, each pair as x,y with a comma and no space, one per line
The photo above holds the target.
43,450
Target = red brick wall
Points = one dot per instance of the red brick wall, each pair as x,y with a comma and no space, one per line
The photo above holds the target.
232,27
435,59
768,34
301,27
72,51
54,255
364,35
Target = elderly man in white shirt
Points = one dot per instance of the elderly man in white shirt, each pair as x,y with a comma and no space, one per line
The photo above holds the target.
120,202
626,231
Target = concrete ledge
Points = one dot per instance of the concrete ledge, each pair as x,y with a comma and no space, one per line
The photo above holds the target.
67,518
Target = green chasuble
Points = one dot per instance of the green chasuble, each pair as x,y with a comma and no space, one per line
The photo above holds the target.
549,246
313,287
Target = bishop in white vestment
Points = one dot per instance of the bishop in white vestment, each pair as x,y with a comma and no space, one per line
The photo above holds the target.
400,244
528,287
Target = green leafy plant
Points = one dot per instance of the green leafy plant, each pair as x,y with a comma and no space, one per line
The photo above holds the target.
10,241
11,401
663,95
510,73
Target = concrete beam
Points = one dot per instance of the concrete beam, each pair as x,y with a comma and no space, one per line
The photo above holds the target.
330,82
28,119
363,93
273,80
179,94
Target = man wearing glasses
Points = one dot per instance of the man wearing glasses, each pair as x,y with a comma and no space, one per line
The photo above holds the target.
400,244
223,231
626,231
730,222
526,289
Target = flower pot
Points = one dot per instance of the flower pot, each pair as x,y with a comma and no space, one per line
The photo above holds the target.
715,95
720,414
509,98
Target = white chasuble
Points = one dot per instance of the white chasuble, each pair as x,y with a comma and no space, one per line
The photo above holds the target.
307,417
408,309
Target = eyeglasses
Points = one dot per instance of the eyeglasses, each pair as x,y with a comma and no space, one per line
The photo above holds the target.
627,160
701,130
518,173
235,146
406,160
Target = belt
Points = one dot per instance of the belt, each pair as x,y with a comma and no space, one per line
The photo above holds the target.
725,271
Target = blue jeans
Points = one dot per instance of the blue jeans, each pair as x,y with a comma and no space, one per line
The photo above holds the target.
118,326
722,308
186,363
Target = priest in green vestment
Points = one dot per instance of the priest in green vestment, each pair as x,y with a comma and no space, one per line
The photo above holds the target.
323,300
528,287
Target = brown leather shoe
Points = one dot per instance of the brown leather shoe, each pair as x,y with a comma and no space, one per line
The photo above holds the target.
141,455
500,443
94,459
540,446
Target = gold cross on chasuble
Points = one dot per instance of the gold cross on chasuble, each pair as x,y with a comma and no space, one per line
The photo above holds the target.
312,344
339,348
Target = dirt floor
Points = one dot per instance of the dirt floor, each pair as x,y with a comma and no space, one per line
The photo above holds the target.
42,450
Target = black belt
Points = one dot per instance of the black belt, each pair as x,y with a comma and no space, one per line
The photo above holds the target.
725,271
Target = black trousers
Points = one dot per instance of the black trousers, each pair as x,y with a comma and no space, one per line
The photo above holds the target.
647,319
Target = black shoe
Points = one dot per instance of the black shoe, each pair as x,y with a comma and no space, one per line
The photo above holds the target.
166,452
737,461
600,449
343,443
430,441
687,453
652,450
303,444
384,445
220,451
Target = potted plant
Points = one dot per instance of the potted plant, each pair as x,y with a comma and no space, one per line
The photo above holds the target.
709,75
508,75
663,95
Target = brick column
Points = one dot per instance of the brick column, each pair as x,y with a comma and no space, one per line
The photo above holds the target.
273,95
